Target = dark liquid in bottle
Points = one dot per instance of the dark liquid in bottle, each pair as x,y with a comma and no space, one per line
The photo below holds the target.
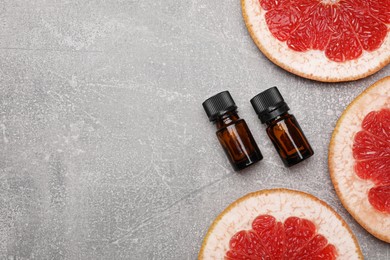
238,142
289,140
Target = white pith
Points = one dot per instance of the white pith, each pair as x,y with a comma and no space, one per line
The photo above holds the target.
281,205
330,2
351,189
313,63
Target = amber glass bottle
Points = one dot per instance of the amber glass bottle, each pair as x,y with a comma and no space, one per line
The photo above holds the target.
233,132
282,127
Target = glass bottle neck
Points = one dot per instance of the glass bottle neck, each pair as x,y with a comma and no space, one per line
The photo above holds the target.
227,119
278,118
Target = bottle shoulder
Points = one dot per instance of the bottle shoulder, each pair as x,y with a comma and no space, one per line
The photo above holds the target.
238,123
282,118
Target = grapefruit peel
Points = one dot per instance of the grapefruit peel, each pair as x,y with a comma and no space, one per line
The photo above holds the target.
281,204
351,189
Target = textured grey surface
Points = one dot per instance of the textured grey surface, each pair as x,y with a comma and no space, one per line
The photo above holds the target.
106,152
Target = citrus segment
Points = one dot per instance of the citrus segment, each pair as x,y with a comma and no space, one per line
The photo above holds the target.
298,233
281,23
369,31
314,37
379,198
380,9
246,244
378,123
374,170
343,44
314,246
369,147
271,234
329,252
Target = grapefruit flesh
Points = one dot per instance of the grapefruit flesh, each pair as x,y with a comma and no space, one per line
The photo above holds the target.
359,159
279,224
296,238
343,29
347,39
371,150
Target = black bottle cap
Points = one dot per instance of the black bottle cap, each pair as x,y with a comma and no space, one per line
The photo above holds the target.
218,105
269,104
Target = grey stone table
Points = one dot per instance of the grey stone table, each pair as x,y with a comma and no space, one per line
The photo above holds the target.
106,152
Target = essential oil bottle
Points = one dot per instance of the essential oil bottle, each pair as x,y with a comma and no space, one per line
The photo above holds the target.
282,127
233,132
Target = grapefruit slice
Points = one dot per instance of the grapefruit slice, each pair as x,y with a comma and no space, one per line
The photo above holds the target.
279,224
325,40
359,159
